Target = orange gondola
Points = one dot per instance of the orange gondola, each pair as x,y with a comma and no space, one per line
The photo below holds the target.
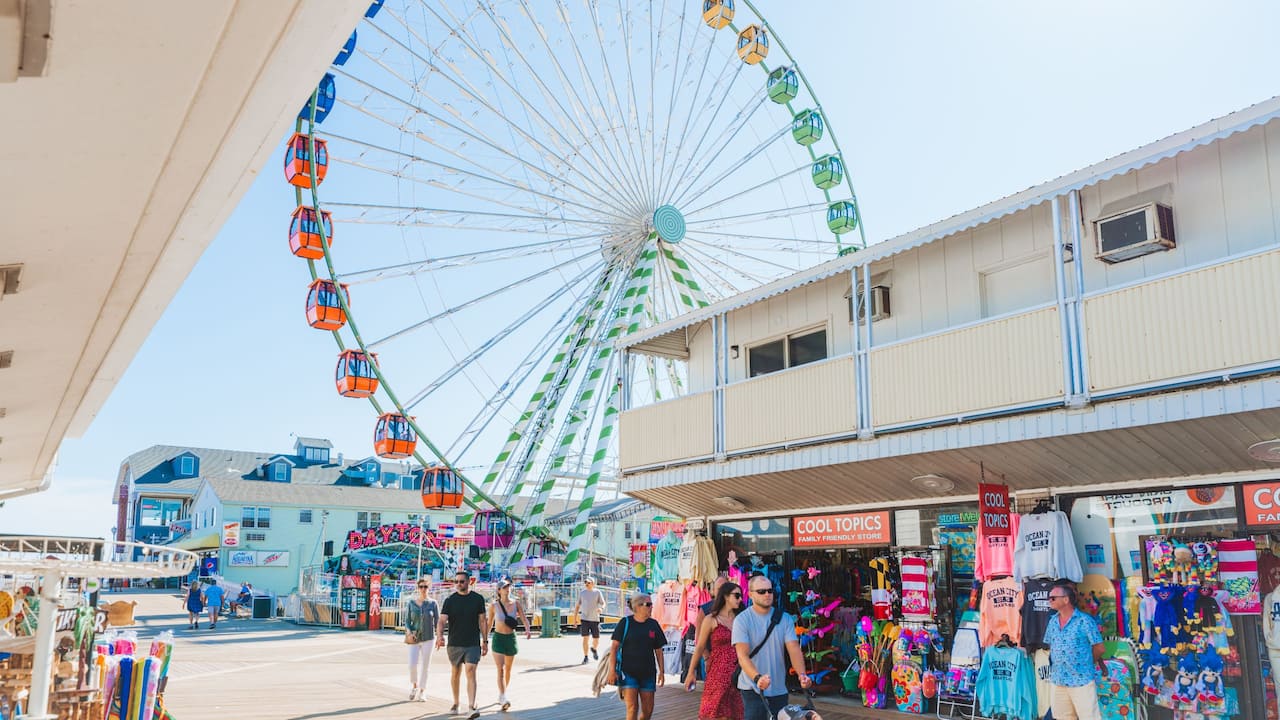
494,530
297,160
394,438
354,375
324,310
304,232
441,489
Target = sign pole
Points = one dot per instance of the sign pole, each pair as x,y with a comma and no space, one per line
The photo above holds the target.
421,520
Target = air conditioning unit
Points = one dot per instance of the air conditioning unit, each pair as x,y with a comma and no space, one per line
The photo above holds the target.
879,304
1139,231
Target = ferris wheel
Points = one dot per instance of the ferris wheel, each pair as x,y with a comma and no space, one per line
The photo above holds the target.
510,186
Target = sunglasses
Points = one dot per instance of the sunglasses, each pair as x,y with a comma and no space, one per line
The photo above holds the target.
462,580
737,595
424,587
644,604
763,591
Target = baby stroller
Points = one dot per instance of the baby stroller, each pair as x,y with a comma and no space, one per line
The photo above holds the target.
958,693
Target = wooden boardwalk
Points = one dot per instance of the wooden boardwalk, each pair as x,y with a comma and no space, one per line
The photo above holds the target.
269,670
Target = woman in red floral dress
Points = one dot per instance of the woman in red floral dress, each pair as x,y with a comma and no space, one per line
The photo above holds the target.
720,699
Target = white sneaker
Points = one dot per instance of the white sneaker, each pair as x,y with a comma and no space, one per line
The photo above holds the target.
422,696
413,693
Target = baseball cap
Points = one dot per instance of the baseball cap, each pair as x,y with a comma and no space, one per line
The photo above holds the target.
590,580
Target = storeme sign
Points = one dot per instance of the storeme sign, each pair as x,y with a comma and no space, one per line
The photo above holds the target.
869,528
1262,503
993,507
389,534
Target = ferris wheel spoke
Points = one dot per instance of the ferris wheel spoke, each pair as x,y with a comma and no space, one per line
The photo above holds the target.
633,119
537,275
738,195
412,159
422,216
575,118
677,79
700,165
722,269
718,87
612,87
493,341
684,132
737,165
473,47
731,251
714,286
470,131
447,262
455,78
752,217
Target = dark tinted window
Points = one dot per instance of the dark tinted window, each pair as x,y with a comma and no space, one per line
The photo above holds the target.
765,358
1123,231
808,348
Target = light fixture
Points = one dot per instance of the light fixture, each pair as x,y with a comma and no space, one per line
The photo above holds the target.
733,351
1266,451
932,483
730,502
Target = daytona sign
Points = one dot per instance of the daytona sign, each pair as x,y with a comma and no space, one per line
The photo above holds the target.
868,528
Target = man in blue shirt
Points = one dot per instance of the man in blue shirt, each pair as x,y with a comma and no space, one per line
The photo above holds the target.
213,596
1075,649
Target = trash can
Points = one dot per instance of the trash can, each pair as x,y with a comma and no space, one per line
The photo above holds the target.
550,622
261,607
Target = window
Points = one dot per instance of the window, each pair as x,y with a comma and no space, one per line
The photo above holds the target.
366,520
304,517
314,454
255,537
409,482
626,531
259,517
595,531
793,350
280,472
187,466
1015,285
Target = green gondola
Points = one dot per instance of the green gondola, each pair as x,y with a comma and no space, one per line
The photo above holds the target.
842,217
828,171
806,127
783,85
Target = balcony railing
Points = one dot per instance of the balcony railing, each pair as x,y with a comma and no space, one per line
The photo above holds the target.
676,429
809,401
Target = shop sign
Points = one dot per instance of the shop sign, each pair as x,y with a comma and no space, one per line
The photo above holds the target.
958,519
273,558
389,534
180,527
459,533
1262,503
868,528
993,506
242,558
231,534
658,529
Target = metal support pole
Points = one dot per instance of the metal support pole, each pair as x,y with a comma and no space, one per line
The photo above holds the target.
42,662
867,431
1077,242
1060,294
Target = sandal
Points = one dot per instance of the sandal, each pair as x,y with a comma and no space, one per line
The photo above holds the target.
453,709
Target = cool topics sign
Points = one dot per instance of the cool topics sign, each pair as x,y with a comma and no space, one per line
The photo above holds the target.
866,528
993,508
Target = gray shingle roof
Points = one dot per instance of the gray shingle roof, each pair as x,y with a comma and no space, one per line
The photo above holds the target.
237,491
151,467
314,442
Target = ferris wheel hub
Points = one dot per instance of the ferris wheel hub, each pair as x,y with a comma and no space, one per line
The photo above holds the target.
668,222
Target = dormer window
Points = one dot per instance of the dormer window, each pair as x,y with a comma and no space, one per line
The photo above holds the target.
187,466
316,454
280,472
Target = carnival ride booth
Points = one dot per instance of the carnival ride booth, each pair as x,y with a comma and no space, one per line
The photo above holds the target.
57,658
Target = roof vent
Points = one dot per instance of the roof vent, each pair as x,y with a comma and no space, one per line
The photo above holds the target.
9,277
6,359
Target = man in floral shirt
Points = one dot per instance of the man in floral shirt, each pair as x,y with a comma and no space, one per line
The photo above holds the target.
1075,649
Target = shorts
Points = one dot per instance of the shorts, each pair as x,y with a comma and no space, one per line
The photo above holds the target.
645,684
503,644
589,627
459,655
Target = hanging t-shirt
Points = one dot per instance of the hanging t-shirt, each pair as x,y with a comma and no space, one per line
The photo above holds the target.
995,552
1000,610
1043,547
1044,688
686,558
673,651
1268,571
694,598
666,558
1006,684
1036,612
668,605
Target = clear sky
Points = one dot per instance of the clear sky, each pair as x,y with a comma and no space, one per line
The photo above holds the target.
940,107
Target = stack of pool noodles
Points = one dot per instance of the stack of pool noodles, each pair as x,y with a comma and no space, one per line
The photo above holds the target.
130,683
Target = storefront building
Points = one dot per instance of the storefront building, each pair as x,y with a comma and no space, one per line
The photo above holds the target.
1118,398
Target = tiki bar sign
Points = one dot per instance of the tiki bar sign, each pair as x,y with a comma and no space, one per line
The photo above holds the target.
389,534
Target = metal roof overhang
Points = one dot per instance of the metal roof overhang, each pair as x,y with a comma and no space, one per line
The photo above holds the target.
1109,444
650,340
607,512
